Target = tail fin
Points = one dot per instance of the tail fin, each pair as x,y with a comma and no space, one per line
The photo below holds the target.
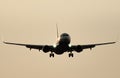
57,30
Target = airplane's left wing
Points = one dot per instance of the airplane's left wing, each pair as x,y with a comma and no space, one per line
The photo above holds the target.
39,47
93,45
79,48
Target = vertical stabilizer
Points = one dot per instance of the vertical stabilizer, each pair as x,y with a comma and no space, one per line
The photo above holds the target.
57,30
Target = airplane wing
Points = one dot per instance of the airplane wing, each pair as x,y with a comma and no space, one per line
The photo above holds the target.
93,45
47,48
88,46
39,47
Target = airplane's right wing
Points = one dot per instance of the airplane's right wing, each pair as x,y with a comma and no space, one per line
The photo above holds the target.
27,45
31,46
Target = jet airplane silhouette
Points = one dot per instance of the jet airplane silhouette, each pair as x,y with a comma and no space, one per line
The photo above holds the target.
62,45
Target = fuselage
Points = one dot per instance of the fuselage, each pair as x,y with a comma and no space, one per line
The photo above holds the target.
64,39
63,43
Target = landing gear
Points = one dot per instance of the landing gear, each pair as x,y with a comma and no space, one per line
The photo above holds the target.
71,55
51,55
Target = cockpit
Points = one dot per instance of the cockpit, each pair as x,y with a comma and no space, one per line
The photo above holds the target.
64,34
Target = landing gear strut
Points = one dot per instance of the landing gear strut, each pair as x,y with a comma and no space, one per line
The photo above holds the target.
51,55
71,55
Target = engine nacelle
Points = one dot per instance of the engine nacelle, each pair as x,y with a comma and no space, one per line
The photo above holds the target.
46,48
78,48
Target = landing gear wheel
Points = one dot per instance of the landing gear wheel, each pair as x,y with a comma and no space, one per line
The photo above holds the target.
51,55
71,55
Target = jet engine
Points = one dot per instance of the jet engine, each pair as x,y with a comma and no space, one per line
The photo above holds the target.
46,48
78,48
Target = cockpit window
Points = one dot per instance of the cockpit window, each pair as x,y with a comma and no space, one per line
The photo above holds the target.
64,34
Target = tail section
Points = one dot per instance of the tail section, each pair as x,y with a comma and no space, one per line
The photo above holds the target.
57,30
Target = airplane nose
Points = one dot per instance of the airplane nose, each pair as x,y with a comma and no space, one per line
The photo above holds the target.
65,40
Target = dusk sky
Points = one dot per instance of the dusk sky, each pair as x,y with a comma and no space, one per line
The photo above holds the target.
34,22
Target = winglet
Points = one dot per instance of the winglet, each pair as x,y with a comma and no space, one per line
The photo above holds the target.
117,38
1,39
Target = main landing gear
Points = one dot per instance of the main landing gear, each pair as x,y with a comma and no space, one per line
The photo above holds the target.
71,55
51,55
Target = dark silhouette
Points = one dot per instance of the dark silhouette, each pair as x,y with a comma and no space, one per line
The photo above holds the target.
62,45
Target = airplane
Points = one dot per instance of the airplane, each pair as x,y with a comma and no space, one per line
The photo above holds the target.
62,45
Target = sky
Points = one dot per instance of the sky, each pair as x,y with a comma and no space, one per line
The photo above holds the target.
34,22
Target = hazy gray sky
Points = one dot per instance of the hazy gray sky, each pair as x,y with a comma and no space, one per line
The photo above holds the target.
33,21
